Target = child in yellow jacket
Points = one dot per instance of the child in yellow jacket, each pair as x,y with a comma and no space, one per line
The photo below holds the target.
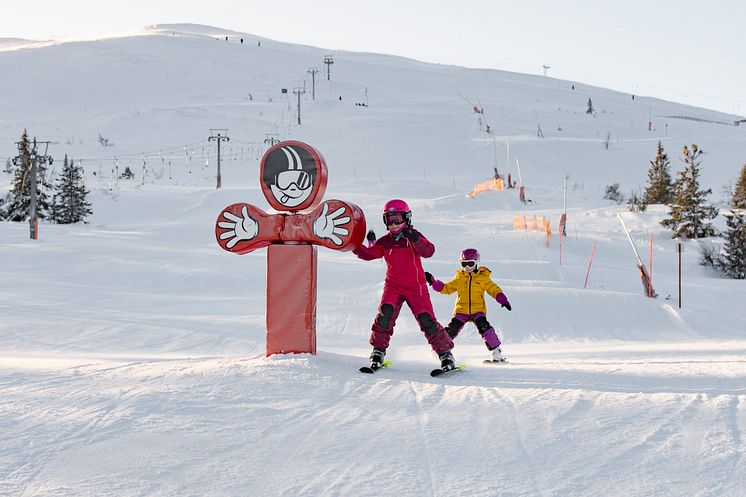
471,281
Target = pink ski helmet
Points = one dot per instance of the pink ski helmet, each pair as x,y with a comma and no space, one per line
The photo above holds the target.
469,259
397,208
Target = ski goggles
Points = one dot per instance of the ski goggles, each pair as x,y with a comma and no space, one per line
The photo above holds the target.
391,218
466,264
297,177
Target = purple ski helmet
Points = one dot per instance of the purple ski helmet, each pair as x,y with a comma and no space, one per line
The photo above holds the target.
469,259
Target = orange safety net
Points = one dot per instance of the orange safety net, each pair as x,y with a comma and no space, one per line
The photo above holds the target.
519,222
532,223
489,185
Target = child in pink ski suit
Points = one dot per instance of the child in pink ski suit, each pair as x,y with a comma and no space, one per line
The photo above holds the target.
401,248
471,282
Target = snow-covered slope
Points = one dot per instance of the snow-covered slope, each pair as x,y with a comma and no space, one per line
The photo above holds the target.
132,348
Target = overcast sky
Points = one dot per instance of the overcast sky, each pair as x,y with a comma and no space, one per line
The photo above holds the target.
683,50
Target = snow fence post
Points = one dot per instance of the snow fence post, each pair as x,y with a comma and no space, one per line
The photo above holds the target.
589,265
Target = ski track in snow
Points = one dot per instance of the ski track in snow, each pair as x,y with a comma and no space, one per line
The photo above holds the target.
525,440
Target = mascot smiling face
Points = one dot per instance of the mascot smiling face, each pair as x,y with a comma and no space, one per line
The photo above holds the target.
293,176
290,172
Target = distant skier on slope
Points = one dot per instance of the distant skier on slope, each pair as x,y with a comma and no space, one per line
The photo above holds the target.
471,281
401,248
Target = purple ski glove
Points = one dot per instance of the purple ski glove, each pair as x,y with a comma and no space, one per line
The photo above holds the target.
503,301
433,282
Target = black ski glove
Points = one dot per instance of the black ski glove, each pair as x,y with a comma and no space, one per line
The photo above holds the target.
508,306
371,236
411,234
428,278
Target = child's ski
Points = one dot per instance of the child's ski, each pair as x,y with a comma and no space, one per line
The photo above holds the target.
369,370
494,363
441,371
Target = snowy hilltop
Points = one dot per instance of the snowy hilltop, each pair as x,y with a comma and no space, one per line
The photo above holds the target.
132,348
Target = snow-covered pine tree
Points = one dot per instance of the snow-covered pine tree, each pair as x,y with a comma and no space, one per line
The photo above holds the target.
18,203
689,211
660,185
70,204
739,195
733,260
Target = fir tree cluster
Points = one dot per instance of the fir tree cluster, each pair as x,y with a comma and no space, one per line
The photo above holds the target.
69,203
690,214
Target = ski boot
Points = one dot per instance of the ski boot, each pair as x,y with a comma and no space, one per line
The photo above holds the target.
376,358
496,356
447,363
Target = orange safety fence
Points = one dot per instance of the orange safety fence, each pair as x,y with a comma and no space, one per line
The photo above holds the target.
489,185
532,223
519,223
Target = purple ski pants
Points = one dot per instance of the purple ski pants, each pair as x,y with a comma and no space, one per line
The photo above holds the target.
489,335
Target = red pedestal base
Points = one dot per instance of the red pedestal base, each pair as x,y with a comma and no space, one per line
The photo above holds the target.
291,299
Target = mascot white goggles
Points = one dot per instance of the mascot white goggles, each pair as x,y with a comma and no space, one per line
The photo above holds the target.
297,177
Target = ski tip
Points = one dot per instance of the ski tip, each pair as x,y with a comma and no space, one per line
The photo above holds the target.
438,372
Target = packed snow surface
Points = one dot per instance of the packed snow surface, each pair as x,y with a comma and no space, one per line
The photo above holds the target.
132,348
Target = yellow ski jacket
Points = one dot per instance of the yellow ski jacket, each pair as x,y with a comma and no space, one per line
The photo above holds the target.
471,288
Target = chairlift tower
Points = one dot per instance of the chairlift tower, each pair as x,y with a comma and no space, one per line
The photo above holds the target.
328,60
545,69
219,135
313,71
36,158
298,91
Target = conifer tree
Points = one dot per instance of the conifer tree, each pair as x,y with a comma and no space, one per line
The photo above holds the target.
70,204
660,186
590,107
739,196
689,211
733,260
18,203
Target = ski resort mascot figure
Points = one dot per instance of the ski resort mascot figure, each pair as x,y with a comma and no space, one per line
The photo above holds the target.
293,179
402,248
471,282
